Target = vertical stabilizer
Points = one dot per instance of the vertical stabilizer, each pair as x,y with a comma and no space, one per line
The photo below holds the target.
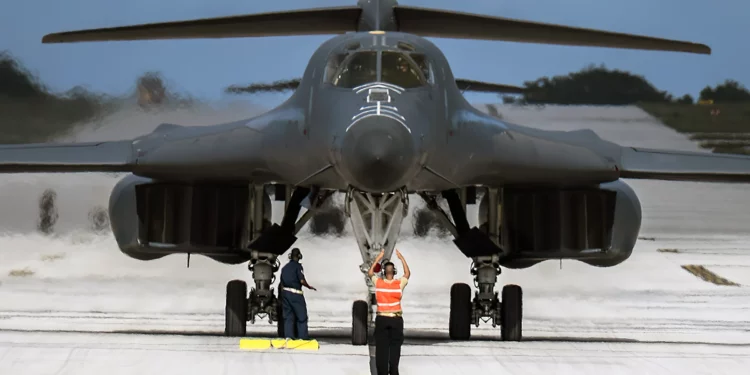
377,15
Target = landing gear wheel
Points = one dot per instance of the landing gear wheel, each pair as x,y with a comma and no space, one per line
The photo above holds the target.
235,324
360,311
459,324
511,313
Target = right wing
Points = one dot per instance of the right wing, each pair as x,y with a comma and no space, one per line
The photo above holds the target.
68,157
654,164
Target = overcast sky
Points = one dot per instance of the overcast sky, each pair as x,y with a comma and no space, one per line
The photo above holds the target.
205,67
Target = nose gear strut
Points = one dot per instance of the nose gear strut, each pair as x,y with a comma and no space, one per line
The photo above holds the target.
376,223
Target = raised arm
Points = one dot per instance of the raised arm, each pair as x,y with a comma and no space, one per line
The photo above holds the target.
371,271
407,272
302,279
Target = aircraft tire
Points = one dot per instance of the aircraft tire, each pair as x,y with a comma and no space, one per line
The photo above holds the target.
511,313
360,311
459,324
235,313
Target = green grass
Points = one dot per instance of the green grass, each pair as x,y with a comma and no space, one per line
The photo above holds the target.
728,132
692,118
720,137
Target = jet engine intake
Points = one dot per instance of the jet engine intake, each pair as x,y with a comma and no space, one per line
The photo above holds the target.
596,225
152,219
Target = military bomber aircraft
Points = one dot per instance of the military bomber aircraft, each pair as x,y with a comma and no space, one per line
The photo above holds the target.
377,115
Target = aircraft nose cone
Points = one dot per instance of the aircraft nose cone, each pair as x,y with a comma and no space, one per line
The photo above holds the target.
377,154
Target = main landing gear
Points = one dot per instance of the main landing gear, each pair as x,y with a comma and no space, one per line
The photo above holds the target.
482,246
376,222
267,242
260,303
486,306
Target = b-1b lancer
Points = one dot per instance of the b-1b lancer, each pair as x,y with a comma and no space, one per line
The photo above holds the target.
377,115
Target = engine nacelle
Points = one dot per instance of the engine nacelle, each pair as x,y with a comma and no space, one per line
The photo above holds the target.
152,219
595,225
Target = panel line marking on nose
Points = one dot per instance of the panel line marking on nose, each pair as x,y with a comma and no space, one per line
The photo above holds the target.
383,106
374,112
370,85
382,111
384,114
378,108
376,95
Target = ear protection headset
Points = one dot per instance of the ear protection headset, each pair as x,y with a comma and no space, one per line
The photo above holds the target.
386,264
295,252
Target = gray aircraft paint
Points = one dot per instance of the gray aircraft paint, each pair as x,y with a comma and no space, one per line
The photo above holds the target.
548,194
315,138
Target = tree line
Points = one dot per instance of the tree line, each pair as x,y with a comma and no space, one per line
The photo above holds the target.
30,112
601,86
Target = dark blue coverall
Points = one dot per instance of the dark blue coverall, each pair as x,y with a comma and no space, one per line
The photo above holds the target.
293,304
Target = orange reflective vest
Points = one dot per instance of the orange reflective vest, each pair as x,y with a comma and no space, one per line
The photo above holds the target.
388,296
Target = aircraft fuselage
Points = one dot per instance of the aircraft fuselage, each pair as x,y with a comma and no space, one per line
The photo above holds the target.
377,112
380,129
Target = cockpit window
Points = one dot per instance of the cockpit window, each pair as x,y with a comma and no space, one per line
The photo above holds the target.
357,69
400,70
349,70
424,65
333,65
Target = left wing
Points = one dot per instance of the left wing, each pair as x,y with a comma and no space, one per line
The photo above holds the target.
517,155
479,86
67,157
643,163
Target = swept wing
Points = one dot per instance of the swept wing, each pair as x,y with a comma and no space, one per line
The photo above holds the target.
73,157
654,164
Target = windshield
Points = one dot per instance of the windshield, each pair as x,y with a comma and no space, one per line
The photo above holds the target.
400,70
358,69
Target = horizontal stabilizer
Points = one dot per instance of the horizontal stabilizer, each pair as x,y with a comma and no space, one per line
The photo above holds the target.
641,163
448,24
319,21
70,157
478,86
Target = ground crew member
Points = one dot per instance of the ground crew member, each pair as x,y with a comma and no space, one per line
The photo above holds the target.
293,303
389,323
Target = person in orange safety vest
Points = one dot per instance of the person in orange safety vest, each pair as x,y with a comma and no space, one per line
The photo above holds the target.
389,323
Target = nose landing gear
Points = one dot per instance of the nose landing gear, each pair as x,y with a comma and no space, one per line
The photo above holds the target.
376,223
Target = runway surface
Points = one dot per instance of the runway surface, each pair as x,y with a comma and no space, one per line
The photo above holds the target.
73,304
